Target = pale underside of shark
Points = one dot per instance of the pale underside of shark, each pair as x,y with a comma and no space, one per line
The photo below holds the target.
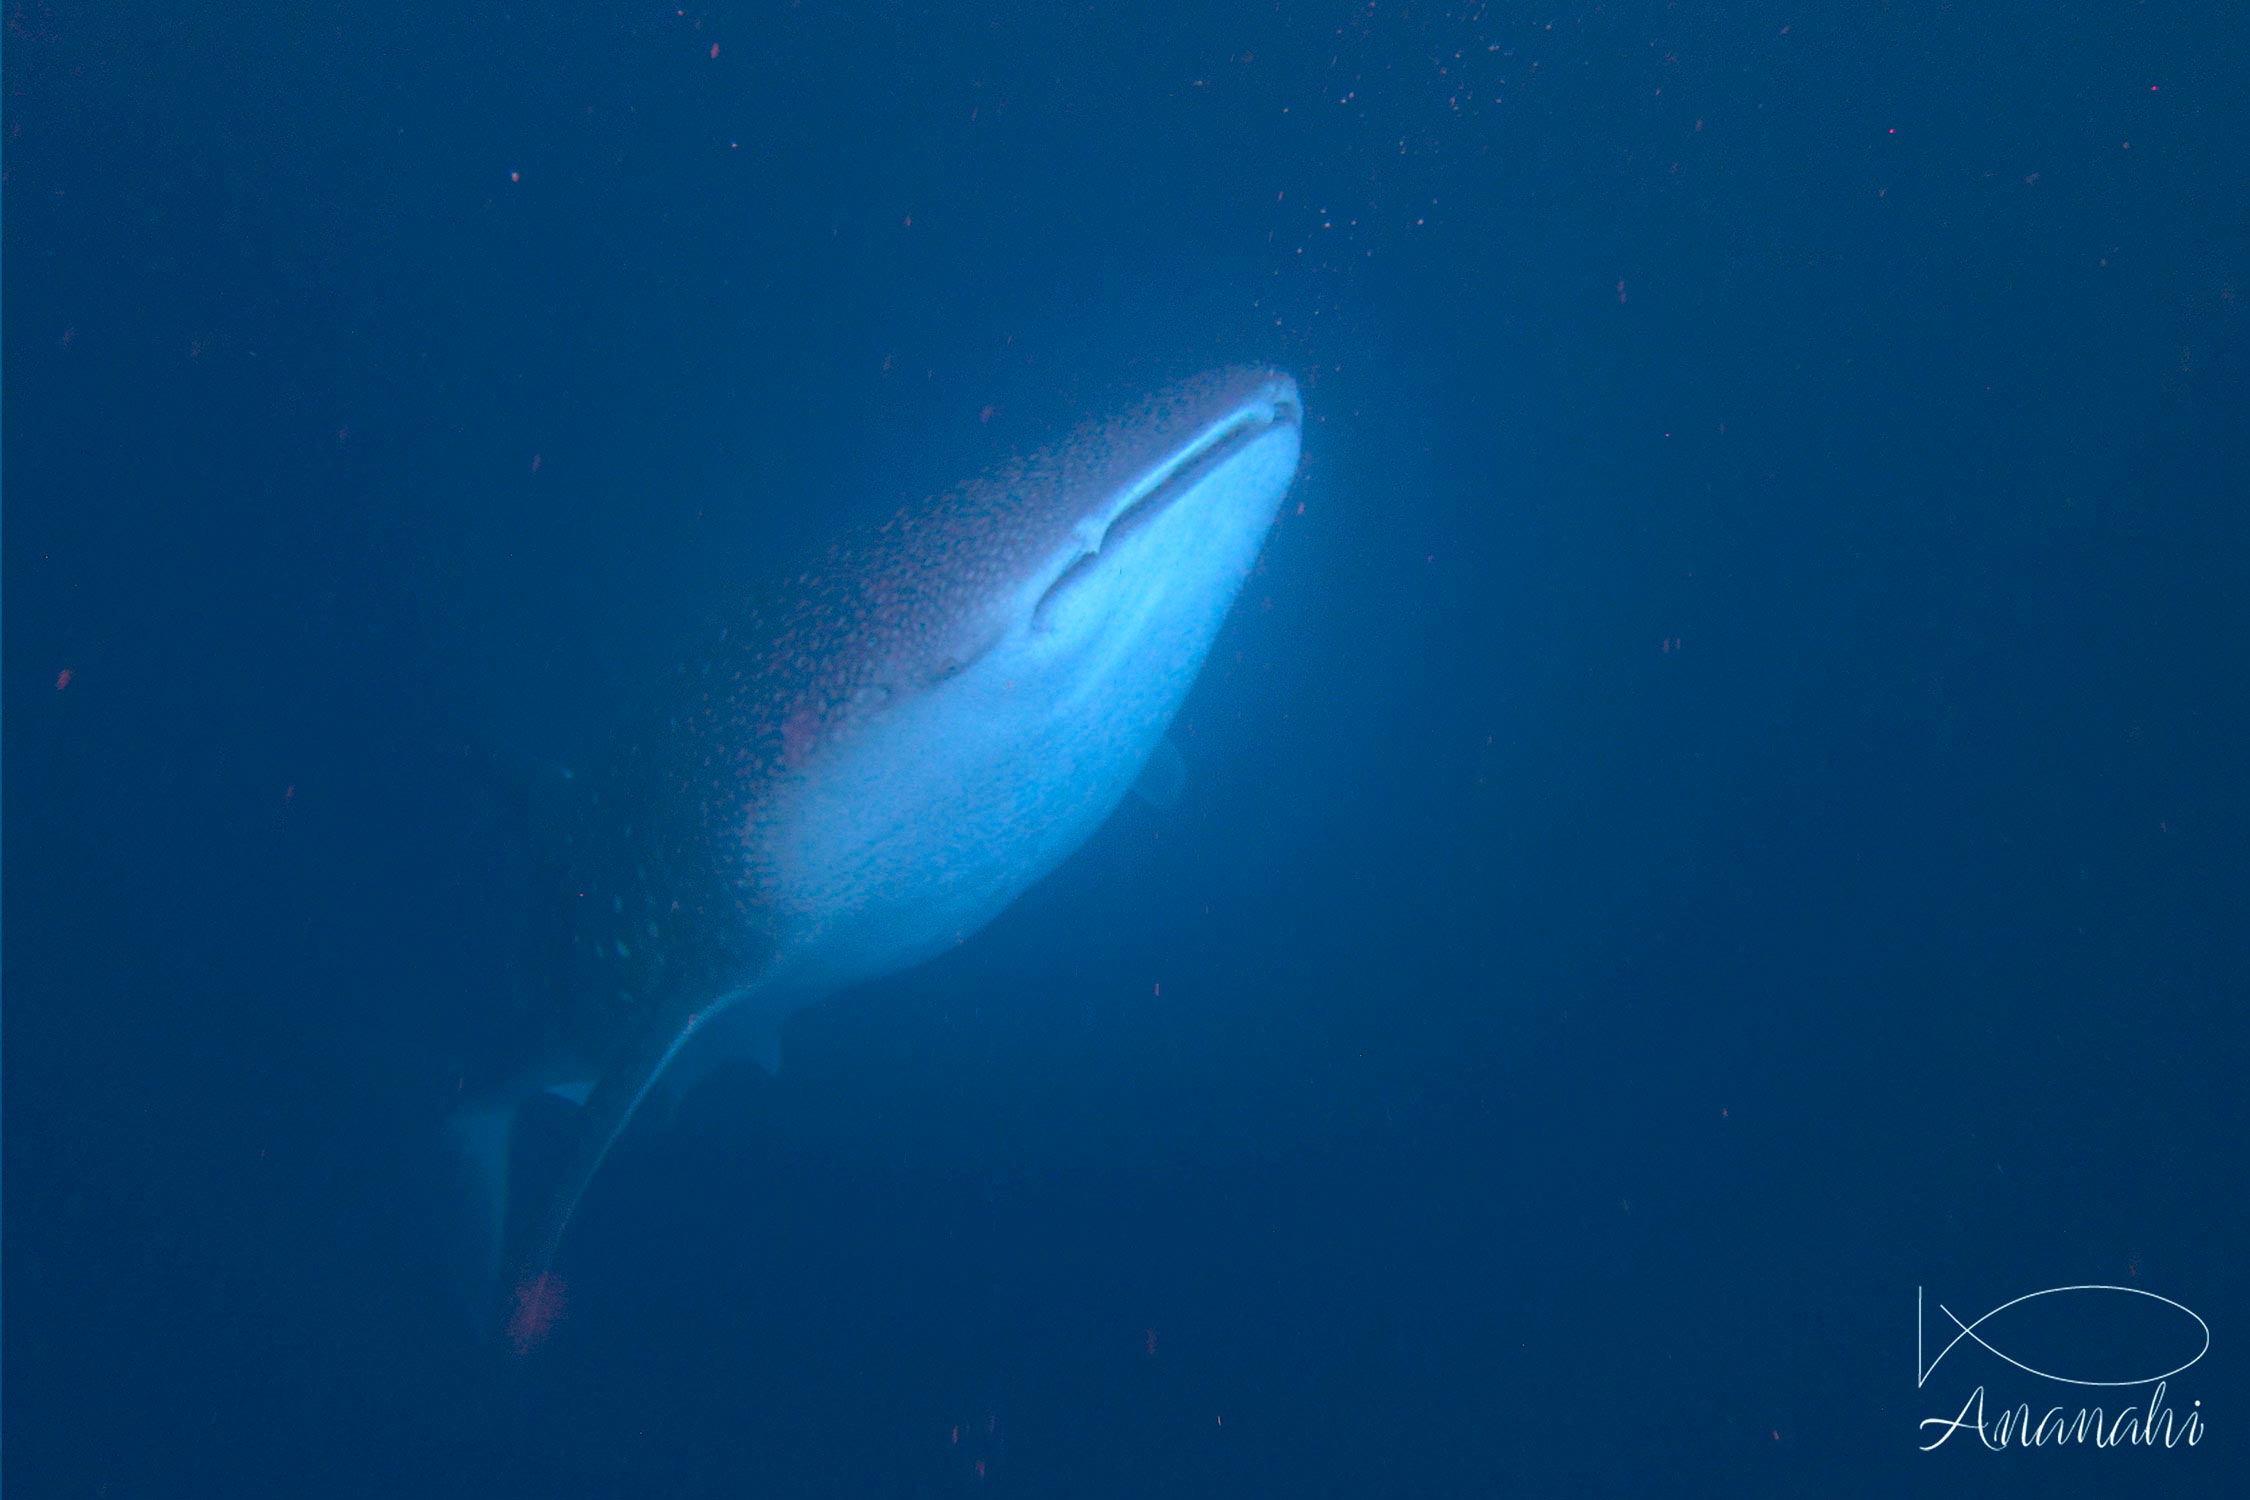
858,779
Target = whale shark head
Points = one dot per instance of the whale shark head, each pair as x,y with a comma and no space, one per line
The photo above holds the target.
1163,528
1018,647
1102,566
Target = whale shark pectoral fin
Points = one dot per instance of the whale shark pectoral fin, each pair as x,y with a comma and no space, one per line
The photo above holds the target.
746,1032
478,1146
1163,777
517,1207
535,1294
757,1035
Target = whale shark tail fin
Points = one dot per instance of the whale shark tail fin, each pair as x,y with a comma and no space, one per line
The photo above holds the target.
475,1152
491,1146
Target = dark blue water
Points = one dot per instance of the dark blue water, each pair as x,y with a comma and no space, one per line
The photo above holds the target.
1725,804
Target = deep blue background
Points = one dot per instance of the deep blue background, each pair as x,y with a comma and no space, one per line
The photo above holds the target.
1725,805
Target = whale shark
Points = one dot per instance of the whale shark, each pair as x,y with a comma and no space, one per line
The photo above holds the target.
874,762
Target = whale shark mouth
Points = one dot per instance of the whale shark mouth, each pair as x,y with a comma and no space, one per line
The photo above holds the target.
1176,479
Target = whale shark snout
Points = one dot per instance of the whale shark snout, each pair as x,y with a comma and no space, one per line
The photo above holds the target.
1267,411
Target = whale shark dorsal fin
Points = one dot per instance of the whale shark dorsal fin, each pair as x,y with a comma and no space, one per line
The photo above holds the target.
1163,777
